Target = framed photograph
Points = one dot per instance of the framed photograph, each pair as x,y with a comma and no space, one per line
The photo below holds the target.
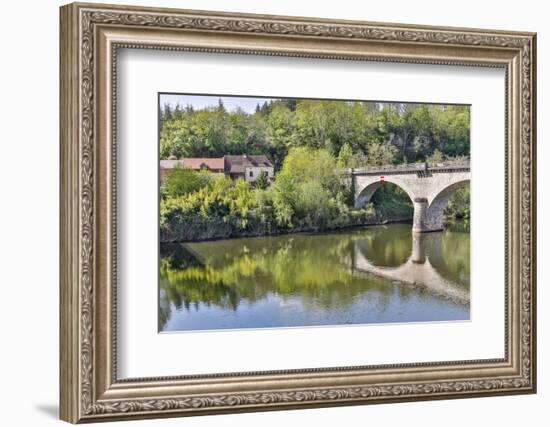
266,212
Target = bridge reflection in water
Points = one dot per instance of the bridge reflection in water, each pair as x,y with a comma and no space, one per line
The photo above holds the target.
425,267
380,274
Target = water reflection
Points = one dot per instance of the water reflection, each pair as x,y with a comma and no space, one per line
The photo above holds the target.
357,276
421,267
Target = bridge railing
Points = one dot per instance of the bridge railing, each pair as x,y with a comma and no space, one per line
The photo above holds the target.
410,167
450,164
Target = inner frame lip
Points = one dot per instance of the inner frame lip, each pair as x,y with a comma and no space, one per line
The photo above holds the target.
425,366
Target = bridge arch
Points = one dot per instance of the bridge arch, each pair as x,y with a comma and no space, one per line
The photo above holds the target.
434,212
365,194
428,185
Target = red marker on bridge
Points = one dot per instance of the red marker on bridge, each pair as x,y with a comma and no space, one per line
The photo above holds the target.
382,178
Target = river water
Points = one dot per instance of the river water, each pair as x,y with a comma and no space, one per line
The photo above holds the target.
381,274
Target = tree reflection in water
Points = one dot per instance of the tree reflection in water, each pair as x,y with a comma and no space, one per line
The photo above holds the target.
318,270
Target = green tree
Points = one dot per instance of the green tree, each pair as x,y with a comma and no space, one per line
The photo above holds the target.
181,181
307,189
345,157
285,199
167,113
305,164
452,129
262,181
280,132
436,157
379,153
176,139
236,133
458,205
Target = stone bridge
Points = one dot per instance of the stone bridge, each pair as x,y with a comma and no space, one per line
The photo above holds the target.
429,185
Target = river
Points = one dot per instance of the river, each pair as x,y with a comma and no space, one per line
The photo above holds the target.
381,274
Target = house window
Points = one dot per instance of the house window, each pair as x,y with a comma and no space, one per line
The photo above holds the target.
251,174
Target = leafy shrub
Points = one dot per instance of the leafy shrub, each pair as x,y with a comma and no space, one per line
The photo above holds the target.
181,181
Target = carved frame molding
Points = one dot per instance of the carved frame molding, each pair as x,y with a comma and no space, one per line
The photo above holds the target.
90,37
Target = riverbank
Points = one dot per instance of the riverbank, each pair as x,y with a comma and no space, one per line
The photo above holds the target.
301,230
450,223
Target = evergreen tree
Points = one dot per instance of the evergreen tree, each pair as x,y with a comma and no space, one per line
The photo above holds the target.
177,111
167,114
291,103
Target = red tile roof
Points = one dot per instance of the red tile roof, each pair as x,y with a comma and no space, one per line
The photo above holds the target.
198,163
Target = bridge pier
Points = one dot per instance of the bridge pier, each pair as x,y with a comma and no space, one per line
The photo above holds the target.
426,219
418,255
420,205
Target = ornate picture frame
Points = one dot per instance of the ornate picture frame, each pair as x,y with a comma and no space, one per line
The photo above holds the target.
90,37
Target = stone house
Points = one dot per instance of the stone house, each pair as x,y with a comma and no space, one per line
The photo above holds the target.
248,167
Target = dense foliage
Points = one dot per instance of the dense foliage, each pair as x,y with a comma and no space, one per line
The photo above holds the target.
308,142
307,194
364,133
181,181
392,203
458,206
